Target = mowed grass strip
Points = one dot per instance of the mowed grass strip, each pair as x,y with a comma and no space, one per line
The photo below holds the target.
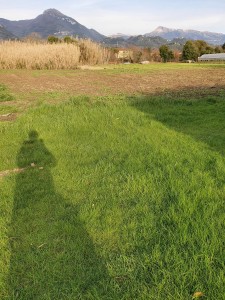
119,204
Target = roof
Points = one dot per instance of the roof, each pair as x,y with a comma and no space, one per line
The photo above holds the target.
217,56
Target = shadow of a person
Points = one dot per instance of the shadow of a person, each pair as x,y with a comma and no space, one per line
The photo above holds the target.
52,254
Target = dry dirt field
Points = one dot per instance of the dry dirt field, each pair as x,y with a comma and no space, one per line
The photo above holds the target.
30,87
113,81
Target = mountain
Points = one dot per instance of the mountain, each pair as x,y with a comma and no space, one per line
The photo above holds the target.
51,22
144,41
169,34
115,42
120,35
5,34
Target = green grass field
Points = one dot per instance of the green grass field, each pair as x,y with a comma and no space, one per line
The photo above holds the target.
125,200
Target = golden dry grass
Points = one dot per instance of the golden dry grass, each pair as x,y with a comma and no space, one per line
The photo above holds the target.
27,55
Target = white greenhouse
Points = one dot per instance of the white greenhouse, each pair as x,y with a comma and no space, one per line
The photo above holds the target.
212,57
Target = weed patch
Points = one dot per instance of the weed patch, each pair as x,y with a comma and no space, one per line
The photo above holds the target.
4,94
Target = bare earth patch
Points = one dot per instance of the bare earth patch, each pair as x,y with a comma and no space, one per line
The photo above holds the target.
9,172
8,117
97,83
86,67
19,170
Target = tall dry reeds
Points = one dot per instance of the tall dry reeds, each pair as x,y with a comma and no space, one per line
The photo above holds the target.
92,53
30,55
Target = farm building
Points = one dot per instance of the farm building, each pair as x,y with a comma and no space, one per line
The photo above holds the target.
125,55
212,57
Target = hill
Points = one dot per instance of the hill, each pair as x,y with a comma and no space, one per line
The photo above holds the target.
51,22
5,34
144,41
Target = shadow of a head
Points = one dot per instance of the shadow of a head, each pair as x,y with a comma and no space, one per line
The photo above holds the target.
33,135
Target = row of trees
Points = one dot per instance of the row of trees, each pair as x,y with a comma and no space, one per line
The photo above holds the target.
138,54
191,51
67,39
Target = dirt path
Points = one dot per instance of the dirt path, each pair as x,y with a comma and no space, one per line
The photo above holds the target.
8,117
13,171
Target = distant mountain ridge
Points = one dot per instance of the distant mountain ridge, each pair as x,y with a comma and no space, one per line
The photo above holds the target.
144,41
51,22
5,34
120,35
169,34
175,38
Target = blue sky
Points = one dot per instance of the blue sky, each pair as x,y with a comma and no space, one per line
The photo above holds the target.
126,16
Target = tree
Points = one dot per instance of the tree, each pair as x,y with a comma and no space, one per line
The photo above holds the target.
223,46
137,54
68,40
165,53
209,50
147,53
33,37
156,55
201,46
218,49
53,39
177,55
190,51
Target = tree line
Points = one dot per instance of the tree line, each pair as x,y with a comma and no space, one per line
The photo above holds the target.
191,51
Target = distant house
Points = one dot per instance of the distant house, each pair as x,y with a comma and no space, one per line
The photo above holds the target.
212,57
125,55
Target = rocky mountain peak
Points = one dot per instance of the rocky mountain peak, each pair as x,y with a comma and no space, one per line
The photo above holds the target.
162,29
170,34
51,22
53,12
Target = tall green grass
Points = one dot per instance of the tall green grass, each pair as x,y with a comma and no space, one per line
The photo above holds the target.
201,118
122,204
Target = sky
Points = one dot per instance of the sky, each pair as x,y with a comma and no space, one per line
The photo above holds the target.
126,16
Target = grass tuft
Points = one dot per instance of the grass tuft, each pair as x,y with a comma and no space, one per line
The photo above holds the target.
4,94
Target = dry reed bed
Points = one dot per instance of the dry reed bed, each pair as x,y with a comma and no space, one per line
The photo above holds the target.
27,55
